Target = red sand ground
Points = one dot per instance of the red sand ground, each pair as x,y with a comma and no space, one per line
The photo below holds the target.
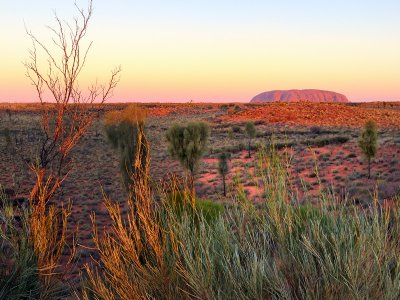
385,114
321,114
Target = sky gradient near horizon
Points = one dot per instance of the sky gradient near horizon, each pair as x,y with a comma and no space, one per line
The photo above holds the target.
218,50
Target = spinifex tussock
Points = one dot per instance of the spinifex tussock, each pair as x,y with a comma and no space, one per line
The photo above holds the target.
123,131
33,246
284,250
18,265
133,262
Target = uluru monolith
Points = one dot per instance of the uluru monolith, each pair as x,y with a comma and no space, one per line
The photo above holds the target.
308,95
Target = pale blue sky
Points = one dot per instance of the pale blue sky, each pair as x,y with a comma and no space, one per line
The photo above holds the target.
222,50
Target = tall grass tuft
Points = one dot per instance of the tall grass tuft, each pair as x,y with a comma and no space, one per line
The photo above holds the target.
284,250
19,277
122,128
51,239
133,262
31,249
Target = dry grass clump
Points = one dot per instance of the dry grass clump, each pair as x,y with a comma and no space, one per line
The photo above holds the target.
283,250
132,114
49,236
32,245
125,132
133,263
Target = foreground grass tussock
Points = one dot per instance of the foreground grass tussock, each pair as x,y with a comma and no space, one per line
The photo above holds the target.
26,273
284,250
161,250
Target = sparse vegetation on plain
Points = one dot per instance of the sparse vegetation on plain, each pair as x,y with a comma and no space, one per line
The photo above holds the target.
368,143
223,168
251,134
188,144
279,249
297,218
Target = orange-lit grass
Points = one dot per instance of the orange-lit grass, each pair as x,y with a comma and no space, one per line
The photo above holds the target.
132,255
284,250
50,237
131,114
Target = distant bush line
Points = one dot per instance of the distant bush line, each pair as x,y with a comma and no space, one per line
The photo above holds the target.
317,142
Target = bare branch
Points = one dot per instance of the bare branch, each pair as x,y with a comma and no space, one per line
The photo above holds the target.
108,89
68,119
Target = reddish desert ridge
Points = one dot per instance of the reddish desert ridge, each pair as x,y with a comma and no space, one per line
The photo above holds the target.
321,114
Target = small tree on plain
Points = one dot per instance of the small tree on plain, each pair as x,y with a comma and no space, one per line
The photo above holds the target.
223,167
7,138
251,134
369,142
231,135
54,71
188,144
8,111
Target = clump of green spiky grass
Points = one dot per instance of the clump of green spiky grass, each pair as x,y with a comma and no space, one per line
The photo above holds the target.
284,250
21,274
19,277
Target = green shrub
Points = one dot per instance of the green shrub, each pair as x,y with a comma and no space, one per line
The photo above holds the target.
324,156
251,134
324,141
316,130
181,203
209,209
19,269
369,142
231,135
125,132
188,143
7,137
236,129
351,155
19,276
223,167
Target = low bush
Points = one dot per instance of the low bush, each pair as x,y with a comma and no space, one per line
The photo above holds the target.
316,130
324,156
21,276
181,203
324,141
210,210
236,129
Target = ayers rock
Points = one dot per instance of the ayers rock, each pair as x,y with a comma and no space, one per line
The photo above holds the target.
309,95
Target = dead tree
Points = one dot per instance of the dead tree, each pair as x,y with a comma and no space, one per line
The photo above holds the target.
69,113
